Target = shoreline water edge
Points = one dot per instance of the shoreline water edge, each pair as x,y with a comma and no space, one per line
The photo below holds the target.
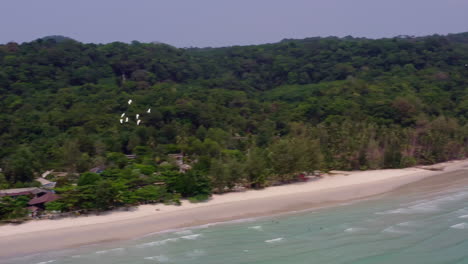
45,235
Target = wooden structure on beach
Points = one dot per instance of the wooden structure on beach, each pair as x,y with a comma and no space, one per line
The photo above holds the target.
33,191
46,183
40,200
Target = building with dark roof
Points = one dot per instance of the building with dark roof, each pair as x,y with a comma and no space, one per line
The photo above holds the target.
21,191
43,199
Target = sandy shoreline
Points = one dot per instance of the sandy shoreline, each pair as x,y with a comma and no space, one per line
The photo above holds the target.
44,235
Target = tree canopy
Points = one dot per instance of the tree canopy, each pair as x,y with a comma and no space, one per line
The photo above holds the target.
242,115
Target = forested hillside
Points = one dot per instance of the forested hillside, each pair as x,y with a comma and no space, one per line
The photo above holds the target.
248,115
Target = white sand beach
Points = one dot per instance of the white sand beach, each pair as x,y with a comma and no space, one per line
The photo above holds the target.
42,235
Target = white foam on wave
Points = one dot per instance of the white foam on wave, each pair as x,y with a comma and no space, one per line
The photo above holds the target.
463,216
160,258
395,211
158,242
462,211
191,237
419,208
109,250
168,240
354,229
460,226
184,232
196,253
259,228
409,223
244,220
275,240
393,230
454,196
426,206
45,262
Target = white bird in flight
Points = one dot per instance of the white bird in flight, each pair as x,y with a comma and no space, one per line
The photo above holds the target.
130,101
126,119
121,120
122,115
138,122
137,115
149,110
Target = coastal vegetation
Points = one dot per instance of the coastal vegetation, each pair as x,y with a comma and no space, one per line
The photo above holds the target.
248,116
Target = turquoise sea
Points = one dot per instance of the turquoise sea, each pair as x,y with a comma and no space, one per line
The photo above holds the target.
420,226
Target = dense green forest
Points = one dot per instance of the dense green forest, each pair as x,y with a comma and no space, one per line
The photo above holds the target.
242,116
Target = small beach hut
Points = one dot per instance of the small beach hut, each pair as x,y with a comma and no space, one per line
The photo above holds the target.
21,191
40,201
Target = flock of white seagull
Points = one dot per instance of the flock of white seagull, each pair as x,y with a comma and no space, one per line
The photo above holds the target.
125,119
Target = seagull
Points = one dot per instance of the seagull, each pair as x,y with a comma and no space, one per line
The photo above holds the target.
149,110
137,115
130,101
126,119
138,122
121,120
122,115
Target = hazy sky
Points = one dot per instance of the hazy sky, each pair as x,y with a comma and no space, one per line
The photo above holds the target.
201,23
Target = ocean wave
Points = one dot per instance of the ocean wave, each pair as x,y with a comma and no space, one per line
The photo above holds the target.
196,253
463,216
160,258
426,206
184,232
45,262
393,230
191,237
408,223
419,208
454,196
109,250
275,240
243,220
168,240
259,228
460,226
354,229
158,242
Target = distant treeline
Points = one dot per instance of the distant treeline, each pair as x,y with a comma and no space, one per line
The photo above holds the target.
243,115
